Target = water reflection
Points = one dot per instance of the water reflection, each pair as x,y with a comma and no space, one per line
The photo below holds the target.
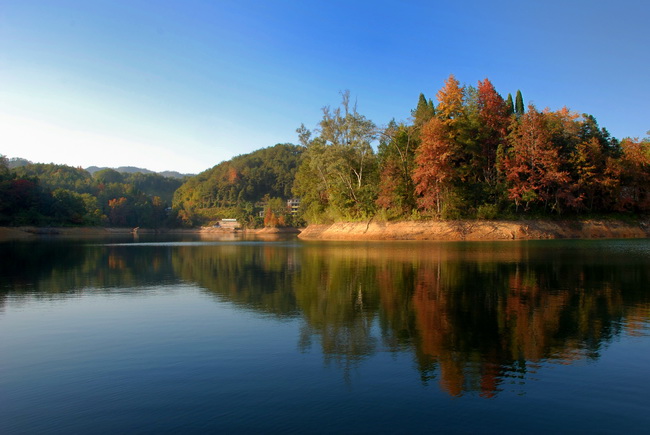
475,317
38,269
253,276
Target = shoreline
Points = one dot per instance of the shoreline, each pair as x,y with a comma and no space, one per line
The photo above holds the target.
32,232
429,230
466,230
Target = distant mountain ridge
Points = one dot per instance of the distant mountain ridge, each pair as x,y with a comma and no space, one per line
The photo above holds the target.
133,170
16,162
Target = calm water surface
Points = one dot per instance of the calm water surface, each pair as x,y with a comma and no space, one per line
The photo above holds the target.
245,336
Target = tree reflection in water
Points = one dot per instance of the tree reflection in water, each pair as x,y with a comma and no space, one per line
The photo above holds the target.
473,315
476,317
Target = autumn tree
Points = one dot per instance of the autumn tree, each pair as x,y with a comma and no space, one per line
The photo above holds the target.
441,157
456,159
450,102
494,121
120,212
564,127
434,172
534,166
275,212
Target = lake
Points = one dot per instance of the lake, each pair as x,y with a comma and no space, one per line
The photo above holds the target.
250,336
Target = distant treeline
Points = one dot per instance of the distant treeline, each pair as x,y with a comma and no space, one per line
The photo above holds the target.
60,195
473,154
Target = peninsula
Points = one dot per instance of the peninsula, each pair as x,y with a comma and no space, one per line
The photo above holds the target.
473,230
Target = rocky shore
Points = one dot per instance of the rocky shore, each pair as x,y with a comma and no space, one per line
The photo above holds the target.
478,230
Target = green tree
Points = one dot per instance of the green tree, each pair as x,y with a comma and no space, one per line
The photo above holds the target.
23,202
423,112
519,104
108,175
397,161
4,168
68,208
54,177
510,105
342,158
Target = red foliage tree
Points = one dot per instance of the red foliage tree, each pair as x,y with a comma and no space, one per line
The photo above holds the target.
388,180
494,120
434,170
534,166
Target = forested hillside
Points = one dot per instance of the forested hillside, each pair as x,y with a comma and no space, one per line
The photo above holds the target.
60,195
241,188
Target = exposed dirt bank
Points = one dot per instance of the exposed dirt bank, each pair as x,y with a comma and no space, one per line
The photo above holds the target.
371,230
478,230
286,230
21,233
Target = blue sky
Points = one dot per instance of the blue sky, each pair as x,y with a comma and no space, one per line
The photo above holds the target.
184,85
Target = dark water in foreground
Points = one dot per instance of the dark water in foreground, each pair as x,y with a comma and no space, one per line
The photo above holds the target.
249,337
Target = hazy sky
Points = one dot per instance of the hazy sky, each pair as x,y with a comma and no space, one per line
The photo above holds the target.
184,85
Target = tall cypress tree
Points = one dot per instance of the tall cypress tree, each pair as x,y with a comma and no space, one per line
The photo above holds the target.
422,101
423,112
510,104
519,104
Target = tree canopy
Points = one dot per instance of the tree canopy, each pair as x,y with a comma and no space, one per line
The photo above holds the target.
473,155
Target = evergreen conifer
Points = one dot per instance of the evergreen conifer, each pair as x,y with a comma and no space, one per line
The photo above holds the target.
519,104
